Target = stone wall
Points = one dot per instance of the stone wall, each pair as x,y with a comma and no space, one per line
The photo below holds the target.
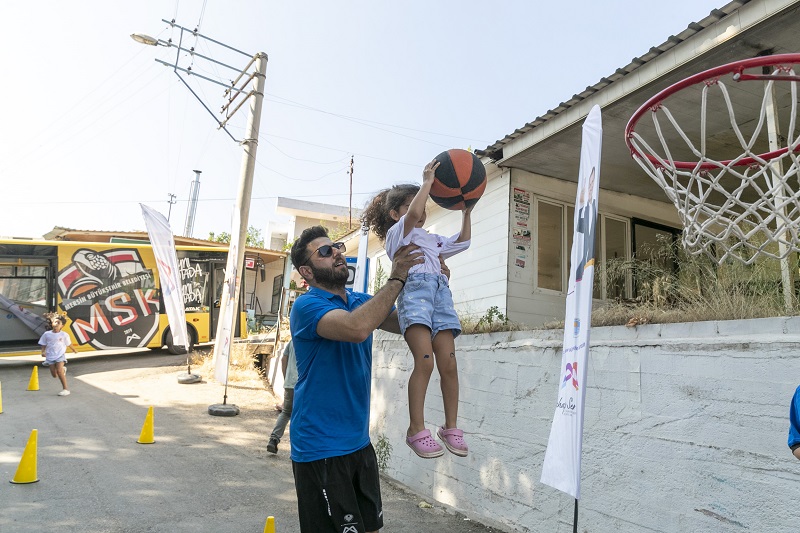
685,428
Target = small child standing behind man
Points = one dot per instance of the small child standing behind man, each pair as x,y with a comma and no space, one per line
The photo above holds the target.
54,345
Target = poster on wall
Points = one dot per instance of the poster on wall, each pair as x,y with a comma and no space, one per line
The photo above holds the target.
521,236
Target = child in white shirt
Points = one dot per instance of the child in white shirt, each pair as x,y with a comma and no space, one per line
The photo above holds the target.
54,345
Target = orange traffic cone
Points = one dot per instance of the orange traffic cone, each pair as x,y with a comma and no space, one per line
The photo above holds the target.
33,384
26,471
146,436
269,527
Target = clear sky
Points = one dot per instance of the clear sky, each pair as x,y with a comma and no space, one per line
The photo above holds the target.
94,125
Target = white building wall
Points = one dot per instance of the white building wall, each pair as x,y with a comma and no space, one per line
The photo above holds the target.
477,278
685,428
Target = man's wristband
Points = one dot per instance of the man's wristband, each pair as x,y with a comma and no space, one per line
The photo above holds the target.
398,279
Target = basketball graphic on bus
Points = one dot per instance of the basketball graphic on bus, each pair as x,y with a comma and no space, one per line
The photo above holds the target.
110,298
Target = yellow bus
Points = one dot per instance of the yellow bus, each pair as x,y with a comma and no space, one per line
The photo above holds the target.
109,292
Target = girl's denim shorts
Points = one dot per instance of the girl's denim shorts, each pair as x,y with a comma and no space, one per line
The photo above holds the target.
426,299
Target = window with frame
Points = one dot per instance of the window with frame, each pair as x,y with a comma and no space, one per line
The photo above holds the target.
649,240
24,284
555,224
549,245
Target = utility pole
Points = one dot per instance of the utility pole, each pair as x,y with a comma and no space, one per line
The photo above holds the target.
171,202
250,143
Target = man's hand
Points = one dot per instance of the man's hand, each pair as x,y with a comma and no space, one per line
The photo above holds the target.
406,257
444,267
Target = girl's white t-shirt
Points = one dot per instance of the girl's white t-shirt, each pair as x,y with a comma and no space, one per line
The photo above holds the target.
431,245
56,344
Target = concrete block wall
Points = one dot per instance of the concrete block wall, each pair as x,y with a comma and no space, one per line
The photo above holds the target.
685,428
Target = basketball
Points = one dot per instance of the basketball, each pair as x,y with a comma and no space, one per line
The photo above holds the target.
459,180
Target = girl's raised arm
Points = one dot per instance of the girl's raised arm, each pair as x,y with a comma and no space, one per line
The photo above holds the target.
417,207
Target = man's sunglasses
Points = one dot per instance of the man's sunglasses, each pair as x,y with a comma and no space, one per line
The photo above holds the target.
326,250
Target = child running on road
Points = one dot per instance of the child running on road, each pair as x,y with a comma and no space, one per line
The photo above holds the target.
54,345
425,307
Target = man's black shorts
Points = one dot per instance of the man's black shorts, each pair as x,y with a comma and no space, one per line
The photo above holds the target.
339,494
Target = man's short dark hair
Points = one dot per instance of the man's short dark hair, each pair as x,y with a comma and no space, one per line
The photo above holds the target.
299,254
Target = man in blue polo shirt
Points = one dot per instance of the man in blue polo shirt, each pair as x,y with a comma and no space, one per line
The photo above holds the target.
794,424
334,464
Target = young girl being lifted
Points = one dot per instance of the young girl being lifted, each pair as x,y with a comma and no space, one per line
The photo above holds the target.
425,306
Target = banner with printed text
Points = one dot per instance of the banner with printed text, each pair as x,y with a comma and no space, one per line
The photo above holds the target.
222,346
562,460
168,273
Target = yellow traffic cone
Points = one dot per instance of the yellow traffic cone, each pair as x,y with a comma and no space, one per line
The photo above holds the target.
269,527
1,398
146,436
33,384
26,471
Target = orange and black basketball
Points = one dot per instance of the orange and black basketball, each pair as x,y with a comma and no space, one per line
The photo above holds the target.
460,179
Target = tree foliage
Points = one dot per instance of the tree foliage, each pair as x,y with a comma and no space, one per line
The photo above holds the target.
254,237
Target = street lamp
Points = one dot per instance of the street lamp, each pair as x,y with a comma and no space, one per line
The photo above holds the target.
144,39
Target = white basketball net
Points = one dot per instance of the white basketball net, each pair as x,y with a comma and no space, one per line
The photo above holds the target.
717,220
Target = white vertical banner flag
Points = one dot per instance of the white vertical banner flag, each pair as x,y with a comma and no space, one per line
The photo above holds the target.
168,273
222,344
361,265
562,460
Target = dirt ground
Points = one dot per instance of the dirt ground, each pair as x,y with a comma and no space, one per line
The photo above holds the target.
202,474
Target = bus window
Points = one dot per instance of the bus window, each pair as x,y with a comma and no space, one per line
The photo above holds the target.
26,286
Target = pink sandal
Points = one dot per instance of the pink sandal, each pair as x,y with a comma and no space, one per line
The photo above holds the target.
425,445
454,441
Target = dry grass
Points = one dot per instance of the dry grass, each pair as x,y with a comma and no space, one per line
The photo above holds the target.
242,369
490,322
696,290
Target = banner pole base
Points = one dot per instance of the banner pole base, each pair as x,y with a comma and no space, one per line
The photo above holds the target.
223,409
188,377
575,518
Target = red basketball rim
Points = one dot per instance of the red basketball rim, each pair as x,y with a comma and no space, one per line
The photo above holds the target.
736,68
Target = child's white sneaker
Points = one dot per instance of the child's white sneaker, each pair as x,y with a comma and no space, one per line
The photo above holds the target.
64,392
45,363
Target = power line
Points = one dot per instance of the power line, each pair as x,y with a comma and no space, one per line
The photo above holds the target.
337,149
200,200
368,122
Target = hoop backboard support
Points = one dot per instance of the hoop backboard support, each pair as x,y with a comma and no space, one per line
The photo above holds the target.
731,169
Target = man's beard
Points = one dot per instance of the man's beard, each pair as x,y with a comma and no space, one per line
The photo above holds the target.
330,278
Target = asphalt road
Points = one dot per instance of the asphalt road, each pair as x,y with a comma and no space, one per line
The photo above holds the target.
202,474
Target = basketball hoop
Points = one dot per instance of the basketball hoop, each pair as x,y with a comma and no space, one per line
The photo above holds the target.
732,176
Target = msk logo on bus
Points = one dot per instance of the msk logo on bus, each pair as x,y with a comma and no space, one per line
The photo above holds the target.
111,298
